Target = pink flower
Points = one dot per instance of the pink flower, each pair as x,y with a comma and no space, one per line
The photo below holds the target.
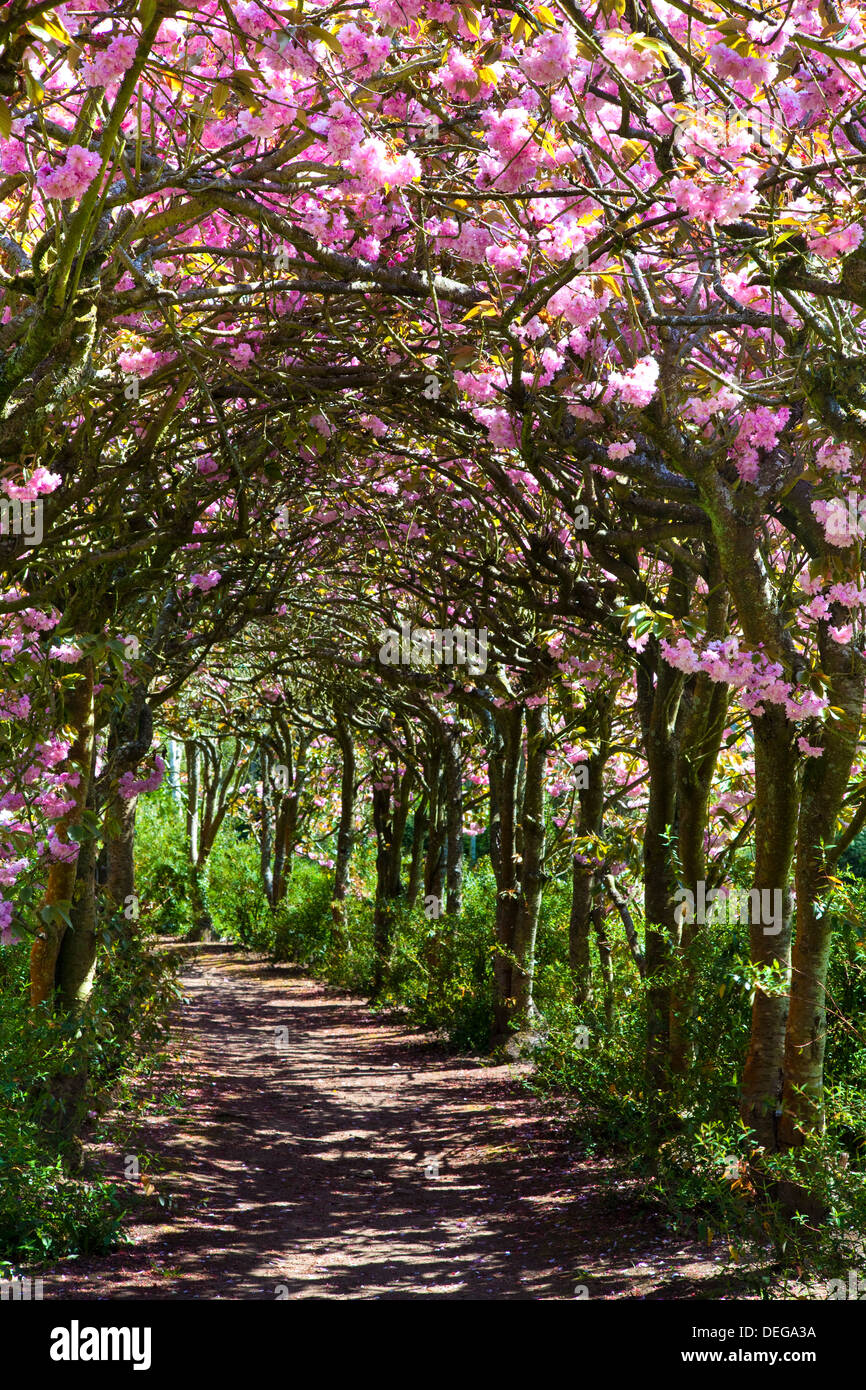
376,169
837,243
808,750
112,63
128,786
206,581
634,63
38,484
73,177
58,849
253,20
241,355
364,53
721,203
551,56
638,385
842,525
818,608
835,456
13,157
141,363
621,451
67,652
7,935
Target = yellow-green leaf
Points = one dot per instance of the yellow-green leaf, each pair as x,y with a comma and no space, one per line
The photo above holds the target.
485,308
56,29
315,31
611,284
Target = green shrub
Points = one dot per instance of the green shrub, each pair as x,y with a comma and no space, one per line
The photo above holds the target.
44,1212
238,907
441,971
303,926
162,869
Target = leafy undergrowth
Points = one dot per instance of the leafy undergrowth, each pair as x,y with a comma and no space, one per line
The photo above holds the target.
54,1079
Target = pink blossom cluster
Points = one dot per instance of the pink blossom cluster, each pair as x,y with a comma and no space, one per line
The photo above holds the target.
637,385
516,157
253,19
551,56
66,652
206,581
141,363
626,57
722,202
459,75
837,243
13,157
375,168
621,451
741,66
759,429
39,484
396,13
835,456
129,785
73,177
843,521
111,63
758,679
7,935
365,53
344,129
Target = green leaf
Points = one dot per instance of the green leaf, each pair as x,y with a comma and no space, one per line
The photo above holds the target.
315,31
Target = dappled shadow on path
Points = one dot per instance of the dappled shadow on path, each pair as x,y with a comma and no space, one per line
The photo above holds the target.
321,1152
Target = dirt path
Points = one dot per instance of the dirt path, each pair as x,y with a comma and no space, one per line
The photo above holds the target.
303,1164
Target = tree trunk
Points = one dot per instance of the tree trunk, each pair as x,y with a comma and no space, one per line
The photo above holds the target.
825,781
388,885
76,966
345,829
582,877
454,822
62,874
434,865
605,963
660,881
416,863
174,772
776,796
532,867
266,832
120,853
504,768
698,754
288,836
76,961
193,773
584,874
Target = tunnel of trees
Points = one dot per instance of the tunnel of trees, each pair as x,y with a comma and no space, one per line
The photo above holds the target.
431,441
